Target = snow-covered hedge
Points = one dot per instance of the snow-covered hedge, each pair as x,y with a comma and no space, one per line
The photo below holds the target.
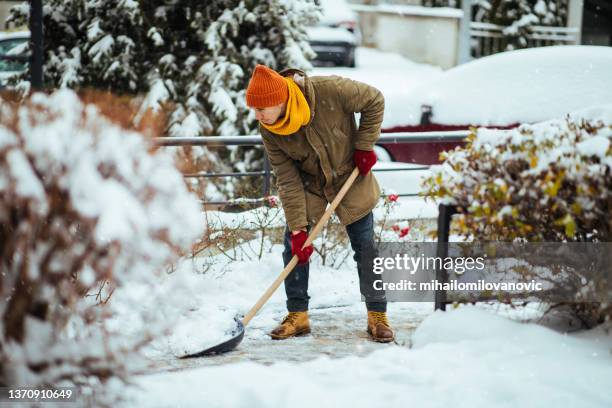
85,207
546,182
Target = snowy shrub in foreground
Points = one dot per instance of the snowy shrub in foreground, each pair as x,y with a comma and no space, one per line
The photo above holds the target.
85,206
547,182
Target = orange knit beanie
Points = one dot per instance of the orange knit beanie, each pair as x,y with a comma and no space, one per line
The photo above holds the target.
266,88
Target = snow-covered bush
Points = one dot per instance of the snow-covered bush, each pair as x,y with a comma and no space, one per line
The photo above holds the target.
546,182
86,207
549,182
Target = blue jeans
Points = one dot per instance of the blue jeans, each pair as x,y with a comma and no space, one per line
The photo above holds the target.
361,235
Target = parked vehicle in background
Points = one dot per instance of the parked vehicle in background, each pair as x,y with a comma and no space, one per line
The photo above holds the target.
336,36
500,91
12,44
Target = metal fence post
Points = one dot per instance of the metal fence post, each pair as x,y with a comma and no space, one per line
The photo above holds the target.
266,181
266,172
36,32
445,214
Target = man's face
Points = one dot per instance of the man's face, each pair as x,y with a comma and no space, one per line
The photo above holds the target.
269,115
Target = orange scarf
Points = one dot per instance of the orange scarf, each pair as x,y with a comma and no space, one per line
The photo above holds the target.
296,115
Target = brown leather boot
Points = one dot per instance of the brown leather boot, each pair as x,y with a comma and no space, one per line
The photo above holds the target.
294,324
379,328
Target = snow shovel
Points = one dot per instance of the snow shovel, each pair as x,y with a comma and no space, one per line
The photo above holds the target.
238,333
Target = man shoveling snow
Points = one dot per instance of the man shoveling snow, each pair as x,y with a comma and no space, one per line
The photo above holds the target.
309,132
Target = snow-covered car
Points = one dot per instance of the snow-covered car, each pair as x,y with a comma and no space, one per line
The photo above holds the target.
502,91
336,35
12,43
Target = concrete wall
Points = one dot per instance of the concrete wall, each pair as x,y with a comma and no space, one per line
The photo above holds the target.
574,16
422,34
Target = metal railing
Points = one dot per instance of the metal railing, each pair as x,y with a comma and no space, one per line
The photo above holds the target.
445,212
488,38
445,216
266,173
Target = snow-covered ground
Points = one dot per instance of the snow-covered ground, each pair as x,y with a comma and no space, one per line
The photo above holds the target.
229,288
469,356
466,357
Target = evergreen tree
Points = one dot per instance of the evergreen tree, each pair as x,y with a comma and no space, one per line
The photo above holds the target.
192,57
91,44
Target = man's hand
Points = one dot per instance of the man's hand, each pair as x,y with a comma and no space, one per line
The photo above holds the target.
298,238
364,160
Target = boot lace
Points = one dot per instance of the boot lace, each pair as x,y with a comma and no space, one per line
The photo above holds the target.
291,318
379,317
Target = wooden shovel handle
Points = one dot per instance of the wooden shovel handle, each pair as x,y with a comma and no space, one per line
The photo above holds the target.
311,237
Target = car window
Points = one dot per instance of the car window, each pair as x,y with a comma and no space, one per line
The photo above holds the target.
7,45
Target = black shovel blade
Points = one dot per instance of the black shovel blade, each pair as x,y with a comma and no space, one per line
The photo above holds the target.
236,337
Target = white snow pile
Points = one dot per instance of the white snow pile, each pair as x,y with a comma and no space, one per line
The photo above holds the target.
462,358
394,75
86,208
336,11
522,86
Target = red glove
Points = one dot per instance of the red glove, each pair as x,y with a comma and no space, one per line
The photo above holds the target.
297,242
364,161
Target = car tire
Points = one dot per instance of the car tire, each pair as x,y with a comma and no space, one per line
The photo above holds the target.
350,59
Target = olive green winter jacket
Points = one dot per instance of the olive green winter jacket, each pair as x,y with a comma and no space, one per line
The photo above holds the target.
312,164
